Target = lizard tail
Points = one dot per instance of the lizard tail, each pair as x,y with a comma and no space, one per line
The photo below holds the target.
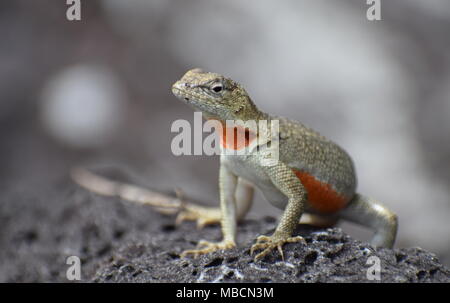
164,203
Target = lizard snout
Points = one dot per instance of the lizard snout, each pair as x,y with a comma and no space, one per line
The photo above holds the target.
179,88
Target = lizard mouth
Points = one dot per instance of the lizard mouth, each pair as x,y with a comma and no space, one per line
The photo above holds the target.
179,93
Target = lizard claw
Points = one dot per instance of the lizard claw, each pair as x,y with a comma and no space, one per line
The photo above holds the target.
208,247
267,244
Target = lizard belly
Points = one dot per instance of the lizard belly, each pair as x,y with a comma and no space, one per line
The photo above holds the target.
243,168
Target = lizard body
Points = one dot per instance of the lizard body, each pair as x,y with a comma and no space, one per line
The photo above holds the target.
313,174
313,179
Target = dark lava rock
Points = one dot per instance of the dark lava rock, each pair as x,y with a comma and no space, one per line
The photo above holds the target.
329,256
123,242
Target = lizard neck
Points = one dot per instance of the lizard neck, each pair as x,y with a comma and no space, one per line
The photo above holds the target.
251,112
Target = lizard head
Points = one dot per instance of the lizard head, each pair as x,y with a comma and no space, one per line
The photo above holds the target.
215,96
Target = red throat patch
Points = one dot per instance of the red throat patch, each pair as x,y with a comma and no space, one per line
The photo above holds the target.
236,137
321,196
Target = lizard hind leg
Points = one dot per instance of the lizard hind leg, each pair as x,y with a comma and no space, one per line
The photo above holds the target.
205,215
371,213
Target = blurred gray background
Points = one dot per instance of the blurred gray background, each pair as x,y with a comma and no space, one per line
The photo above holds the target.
97,92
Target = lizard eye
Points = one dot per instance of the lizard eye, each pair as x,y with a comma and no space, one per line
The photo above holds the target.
217,87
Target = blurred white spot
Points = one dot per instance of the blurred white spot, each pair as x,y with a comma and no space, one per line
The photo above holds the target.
82,106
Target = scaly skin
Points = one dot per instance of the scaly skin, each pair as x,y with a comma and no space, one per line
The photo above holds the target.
312,175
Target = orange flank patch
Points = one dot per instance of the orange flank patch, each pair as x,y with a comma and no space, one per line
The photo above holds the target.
321,196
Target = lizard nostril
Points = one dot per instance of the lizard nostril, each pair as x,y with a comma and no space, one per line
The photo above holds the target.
187,99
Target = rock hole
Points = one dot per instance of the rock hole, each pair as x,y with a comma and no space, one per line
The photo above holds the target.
168,227
137,273
215,262
333,254
173,256
311,258
229,275
400,257
421,275
118,234
30,236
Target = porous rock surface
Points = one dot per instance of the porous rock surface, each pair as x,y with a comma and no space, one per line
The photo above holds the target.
329,256
119,241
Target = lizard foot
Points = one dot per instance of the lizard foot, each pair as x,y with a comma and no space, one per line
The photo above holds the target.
267,244
202,215
208,247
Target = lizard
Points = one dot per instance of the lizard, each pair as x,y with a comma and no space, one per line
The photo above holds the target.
313,177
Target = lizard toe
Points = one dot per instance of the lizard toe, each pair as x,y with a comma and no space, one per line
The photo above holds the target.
267,244
205,247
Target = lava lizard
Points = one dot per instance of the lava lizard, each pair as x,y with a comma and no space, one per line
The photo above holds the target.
313,176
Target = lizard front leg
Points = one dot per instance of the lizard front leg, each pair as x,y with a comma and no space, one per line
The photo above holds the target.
286,181
227,188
